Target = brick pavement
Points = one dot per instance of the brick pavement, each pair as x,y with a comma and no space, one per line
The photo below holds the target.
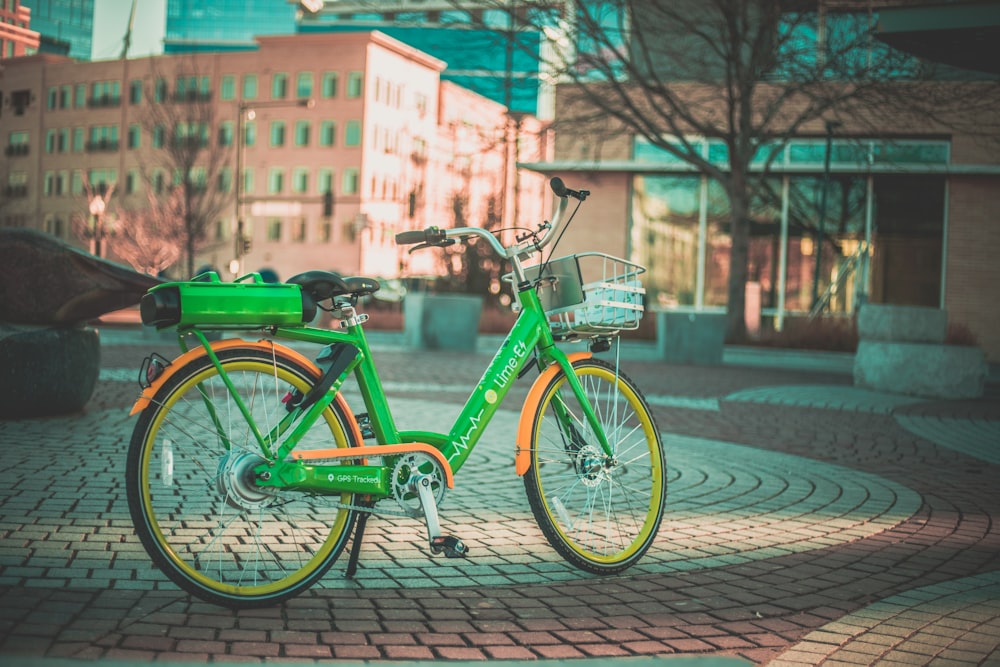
808,521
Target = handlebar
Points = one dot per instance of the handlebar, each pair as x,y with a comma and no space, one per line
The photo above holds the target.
527,245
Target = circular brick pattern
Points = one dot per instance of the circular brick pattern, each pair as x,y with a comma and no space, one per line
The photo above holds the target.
727,504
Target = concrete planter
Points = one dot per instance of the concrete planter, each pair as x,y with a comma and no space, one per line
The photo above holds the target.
688,336
902,324
47,371
927,370
901,350
441,321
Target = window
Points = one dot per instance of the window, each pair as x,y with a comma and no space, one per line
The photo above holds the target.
102,179
197,178
352,133
302,131
324,180
192,88
279,86
17,143
191,134
103,138
300,180
350,184
50,141
276,181
274,229
354,85
58,97
249,86
328,133
79,139
225,180
158,182
160,90
158,136
55,226
304,85
135,91
329,85
20,100
80,98
299,230
249,133
131,182
134,136
226,133
277,133
105,93
17,184
76,183
227,88
248,180
49,183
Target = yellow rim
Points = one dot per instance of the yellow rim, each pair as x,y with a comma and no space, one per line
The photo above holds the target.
656,463
338,436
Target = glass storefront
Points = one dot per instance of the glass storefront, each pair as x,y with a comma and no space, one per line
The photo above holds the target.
876,236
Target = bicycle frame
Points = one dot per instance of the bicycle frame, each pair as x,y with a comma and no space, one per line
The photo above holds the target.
530,337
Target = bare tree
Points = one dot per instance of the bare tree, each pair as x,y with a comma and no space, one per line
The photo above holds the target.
186,163
748,74
150,239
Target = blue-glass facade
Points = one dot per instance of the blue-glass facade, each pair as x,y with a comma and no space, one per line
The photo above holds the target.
66,26
477,59
221,25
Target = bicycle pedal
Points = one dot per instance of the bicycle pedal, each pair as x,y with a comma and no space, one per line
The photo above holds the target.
451,546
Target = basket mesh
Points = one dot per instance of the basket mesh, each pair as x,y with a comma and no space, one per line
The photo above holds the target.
591,294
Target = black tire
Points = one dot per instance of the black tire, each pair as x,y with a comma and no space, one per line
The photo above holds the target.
601,514
191,495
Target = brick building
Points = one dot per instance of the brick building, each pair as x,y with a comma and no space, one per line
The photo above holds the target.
359,115
16,36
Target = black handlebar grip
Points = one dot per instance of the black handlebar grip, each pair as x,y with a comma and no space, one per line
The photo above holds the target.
411,237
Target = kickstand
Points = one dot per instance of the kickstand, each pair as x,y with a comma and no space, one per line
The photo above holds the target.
359,534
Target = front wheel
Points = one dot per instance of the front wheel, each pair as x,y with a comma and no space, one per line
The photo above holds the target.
600,512
191,484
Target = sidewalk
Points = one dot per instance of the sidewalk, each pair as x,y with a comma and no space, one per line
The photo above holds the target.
807,521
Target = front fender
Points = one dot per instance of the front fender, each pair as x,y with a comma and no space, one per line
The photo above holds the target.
522,454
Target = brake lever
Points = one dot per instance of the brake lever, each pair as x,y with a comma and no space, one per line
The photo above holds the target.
422,246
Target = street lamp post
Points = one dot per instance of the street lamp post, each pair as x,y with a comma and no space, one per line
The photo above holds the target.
97,208
247,111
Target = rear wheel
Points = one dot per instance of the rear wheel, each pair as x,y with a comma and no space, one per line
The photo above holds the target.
599,512
191,484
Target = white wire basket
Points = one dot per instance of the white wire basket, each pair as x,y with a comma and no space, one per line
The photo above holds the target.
590,294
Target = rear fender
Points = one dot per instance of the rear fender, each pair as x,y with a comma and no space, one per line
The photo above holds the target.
266,346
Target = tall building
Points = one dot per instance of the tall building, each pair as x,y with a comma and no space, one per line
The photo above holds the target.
259,138
223,25
66,26
483,46
16,36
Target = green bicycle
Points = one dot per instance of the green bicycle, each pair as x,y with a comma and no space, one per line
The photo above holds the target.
248,473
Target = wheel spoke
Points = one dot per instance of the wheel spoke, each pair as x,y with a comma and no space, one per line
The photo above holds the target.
198,509
600,512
